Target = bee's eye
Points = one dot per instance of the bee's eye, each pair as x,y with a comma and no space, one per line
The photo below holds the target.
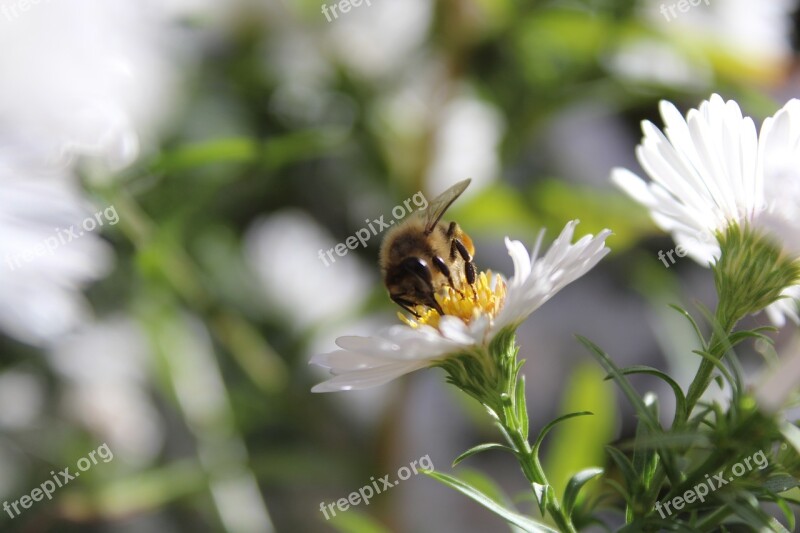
417,267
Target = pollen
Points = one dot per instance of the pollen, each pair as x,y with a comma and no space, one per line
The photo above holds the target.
484,298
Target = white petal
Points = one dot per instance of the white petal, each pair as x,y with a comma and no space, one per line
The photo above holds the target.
712,169
372,377
563,263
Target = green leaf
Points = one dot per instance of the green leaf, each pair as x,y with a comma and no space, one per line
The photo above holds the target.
553,423
481,448
521,405
521,521
626,469
620,489
755,334
784,506
745,506
605,361
645,460
680,398
781,483
722,369
355,522
575,485
693,322
542,494
189,156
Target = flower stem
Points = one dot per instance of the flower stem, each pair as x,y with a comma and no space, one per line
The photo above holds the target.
491,376
717,347
534,472
529,461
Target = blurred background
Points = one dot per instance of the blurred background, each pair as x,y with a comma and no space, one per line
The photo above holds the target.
219,146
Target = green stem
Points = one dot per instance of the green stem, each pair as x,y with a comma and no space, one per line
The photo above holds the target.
717,347
712,521
531,466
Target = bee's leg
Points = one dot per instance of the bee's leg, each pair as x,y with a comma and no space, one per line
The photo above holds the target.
469,267
441,266
470,271
405,304
419,268
451,230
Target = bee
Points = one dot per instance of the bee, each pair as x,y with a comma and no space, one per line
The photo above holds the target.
422,255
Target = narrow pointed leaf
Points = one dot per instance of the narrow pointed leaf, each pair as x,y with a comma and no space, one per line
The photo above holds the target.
692,321
553,423
626,468
575,485
481,448
527,524
521,405
680,398
636,401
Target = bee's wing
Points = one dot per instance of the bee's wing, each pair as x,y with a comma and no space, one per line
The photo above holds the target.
440,204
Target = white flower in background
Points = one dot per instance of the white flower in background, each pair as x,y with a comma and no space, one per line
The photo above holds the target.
467,143
40,288
283,250
776,386
713,170
400,26
471,319
85,77
647,60
106,367
23,397
758,33
80,78
757,30
755,36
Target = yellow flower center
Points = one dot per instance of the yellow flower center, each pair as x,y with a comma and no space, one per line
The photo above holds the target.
469,303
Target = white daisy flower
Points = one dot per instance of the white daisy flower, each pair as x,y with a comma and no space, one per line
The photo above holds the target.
471,319
712,171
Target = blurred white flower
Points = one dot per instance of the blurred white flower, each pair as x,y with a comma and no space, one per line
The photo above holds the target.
651,61
757,30
471,319
467,142
757,34
712,170
80,78
40,289
283,250
377,39
107,368
22,398
85,77
776,385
